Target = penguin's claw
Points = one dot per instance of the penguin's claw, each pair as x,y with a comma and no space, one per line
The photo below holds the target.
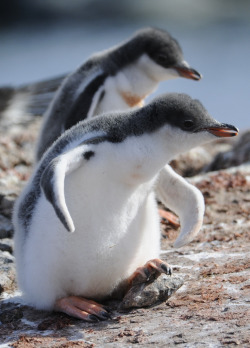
82,308
149,272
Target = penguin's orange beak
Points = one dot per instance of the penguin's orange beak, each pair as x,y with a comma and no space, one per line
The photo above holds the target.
188,73
225,130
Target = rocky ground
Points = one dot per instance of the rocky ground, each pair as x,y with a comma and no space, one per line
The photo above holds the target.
211,309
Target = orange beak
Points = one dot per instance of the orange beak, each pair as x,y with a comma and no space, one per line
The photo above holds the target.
188,73
225,130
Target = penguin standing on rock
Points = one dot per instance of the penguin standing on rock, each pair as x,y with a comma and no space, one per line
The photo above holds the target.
116,79
120,155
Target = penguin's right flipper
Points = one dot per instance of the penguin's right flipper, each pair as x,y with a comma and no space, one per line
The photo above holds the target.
185,200
53,177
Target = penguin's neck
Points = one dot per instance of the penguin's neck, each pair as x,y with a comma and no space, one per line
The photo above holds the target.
139,159
132,84
140,78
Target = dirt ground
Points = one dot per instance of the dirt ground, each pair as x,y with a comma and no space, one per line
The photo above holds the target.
211,309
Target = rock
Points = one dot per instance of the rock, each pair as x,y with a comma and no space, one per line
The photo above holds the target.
7,272
153,293
194,161
238,154
9,316
6,246
6,203
6,228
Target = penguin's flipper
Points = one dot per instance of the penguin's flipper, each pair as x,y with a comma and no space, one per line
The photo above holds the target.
53,177
96,99
86,102
185,200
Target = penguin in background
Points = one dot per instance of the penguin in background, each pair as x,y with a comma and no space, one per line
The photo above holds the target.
68,257
116,79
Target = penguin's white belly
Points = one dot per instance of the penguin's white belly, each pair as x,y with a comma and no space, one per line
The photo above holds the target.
117,230
112,99
128,88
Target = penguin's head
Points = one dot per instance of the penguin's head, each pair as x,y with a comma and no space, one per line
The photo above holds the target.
187,123
166,52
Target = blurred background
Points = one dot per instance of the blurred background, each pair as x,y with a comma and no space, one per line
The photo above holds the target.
45,38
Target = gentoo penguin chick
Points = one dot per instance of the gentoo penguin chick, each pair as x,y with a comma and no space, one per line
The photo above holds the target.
116,79
120,155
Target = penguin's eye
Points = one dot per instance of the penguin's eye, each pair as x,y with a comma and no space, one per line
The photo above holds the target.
188,124
161,59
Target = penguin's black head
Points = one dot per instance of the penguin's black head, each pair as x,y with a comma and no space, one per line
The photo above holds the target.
188,115
165,51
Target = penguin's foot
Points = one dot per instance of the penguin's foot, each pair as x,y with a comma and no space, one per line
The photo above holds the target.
170,217
149,272
82,308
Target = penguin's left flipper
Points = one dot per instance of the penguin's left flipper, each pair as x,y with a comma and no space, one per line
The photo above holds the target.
185,200
53,177
81,308
149,272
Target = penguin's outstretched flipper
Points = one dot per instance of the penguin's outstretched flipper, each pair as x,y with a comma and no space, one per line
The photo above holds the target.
185,200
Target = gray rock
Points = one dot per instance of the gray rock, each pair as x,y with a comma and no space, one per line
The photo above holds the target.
8,316
7,272
192,162
6,247
7,203
235,156
6,228
149,294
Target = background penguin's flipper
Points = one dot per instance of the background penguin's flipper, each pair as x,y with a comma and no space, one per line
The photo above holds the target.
53,177
185,200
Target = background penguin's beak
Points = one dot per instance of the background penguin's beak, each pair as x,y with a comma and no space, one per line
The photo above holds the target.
224,130
188,72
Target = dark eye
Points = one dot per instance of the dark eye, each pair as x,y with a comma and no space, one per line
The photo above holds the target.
161,59
188,124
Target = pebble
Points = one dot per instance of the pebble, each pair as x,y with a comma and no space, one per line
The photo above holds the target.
149,294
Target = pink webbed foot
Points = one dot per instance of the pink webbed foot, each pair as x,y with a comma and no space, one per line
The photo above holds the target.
170,217
149,272
82,308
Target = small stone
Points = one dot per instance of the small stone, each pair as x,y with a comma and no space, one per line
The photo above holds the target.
6,228
7,272
149,294
238,153
8,244
8,316
6,247
7,203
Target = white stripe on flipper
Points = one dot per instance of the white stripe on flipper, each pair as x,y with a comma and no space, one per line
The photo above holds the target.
87,81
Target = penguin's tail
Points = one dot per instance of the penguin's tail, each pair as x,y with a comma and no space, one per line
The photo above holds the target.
27,100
